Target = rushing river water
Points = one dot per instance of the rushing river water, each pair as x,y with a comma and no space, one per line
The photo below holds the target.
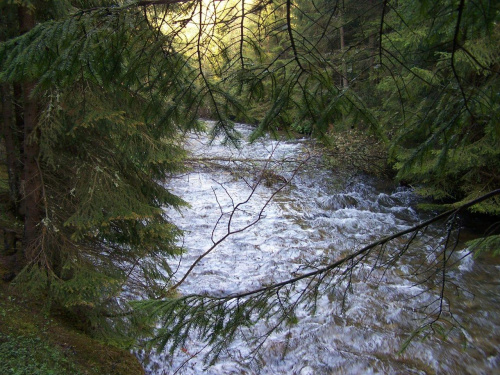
315,219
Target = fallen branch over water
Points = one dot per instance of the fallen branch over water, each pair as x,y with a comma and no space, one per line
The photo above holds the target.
240,160
217,319
367,248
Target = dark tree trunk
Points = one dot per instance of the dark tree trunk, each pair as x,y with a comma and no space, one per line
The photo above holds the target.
9,133
32,179
345,82
32,190
18,114
371,45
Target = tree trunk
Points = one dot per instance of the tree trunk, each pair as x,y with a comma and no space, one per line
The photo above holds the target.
345,83
10,137
371,46
18,114
32,190
32,179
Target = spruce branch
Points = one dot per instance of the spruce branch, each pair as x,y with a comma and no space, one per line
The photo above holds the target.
290,33
216,318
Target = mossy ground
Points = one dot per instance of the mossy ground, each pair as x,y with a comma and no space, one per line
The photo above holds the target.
35,342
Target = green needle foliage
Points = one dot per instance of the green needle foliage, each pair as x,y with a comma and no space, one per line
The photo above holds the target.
112,109
442,97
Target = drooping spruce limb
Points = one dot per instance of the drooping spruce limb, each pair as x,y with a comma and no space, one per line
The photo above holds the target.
216,319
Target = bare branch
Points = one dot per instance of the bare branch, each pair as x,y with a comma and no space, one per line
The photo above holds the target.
230,231
369,247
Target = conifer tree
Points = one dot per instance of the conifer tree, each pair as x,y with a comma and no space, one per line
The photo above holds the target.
102,109
439,104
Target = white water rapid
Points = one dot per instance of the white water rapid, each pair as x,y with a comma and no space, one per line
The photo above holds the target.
315,219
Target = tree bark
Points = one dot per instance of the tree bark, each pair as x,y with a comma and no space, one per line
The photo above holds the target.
10,137
345,83
32,190
19,127
32,179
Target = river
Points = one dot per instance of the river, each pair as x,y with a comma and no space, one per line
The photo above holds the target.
316,218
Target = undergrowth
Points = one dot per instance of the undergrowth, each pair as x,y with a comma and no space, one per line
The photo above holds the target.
34,342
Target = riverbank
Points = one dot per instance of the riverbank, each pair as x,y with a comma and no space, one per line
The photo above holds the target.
35,342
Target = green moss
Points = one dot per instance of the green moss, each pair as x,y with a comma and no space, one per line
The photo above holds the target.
33,342
33,355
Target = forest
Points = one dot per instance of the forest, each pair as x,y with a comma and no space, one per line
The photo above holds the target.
98,100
